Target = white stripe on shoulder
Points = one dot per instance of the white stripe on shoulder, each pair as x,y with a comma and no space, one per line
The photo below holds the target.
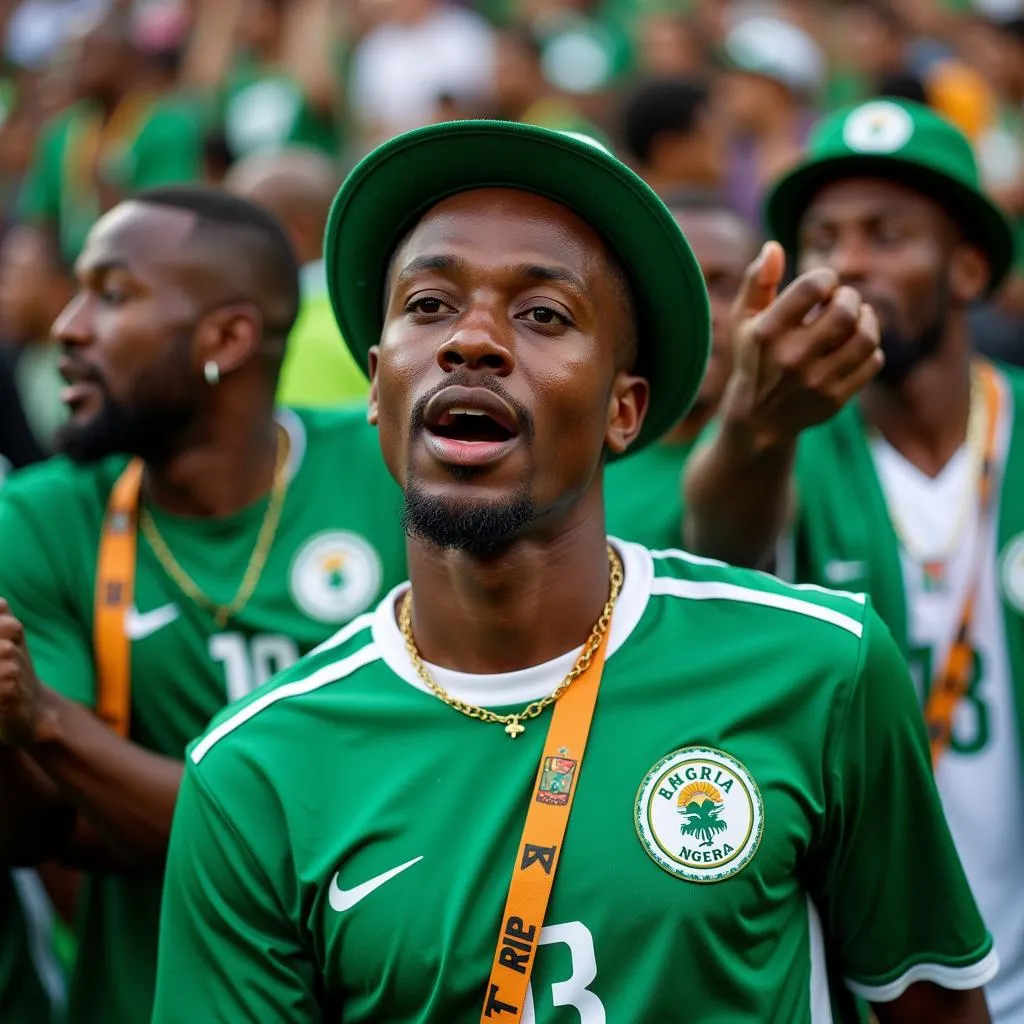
322,677
686,556
957,979
716,590
345,633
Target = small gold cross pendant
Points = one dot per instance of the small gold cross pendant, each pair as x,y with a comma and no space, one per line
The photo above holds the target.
514,728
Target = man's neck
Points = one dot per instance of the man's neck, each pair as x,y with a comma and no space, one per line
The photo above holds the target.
535,601
925,416
217,474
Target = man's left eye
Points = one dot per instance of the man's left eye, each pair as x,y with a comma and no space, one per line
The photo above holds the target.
544,315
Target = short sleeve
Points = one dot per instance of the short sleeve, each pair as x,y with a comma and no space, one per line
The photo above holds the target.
228,951
886,878
34,582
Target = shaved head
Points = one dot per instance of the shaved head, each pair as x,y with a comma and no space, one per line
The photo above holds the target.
297,185
236,252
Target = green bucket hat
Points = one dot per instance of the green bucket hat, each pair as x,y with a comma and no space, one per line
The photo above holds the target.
902,141
396,184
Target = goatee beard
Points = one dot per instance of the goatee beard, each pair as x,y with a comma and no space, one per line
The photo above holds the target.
481,529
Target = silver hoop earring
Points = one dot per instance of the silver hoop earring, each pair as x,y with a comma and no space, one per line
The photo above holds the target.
211,371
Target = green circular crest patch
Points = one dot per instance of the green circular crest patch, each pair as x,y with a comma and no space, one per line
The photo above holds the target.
699,814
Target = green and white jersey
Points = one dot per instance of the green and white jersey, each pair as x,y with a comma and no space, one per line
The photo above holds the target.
338,548
851,488
756,807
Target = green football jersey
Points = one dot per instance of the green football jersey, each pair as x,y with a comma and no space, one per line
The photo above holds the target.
643,496
756,806
338,548
22,997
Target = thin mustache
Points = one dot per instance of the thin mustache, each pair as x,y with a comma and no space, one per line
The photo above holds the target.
524,421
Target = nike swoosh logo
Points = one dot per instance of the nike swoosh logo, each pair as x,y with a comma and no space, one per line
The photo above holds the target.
346,899
138,625
842,572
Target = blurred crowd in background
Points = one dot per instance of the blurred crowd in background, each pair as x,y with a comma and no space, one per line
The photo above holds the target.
280,97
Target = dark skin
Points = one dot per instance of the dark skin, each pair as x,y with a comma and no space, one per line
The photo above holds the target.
489,316
465,297
97,800
893,246
875,256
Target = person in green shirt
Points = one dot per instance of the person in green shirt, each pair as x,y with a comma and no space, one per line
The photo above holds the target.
259,534
114,139
912,491
711,820
644,494
297,185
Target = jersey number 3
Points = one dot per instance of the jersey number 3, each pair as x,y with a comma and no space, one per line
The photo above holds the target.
573,991
249,663
970,732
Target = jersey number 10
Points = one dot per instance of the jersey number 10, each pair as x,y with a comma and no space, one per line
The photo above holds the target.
250,662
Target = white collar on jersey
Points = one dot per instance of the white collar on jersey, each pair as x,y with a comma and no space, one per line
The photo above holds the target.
296,431
508,688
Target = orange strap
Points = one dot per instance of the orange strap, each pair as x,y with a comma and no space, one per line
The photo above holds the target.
541,846
955,679
115,589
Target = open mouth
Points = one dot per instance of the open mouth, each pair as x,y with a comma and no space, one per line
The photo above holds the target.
470,426
460,424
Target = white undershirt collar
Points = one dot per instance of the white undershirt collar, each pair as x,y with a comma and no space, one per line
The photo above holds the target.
508,688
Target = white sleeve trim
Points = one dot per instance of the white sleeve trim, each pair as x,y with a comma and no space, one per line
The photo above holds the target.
957,979
322,677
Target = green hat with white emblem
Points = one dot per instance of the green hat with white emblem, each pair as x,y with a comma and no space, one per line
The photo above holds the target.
395,185
901,141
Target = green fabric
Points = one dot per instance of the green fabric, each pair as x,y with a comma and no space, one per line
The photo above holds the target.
843,519
903,141
22,998
643,496
318,368
399,181
338,548
345,770
260,109
166,149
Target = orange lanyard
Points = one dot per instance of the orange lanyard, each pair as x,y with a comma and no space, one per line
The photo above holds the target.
115,591
952,683
540,848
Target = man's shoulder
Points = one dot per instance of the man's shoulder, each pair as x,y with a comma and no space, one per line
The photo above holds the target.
273,716
772,603
330,427
58,488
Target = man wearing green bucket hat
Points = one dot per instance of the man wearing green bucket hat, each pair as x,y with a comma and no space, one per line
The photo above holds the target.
528,309
912,493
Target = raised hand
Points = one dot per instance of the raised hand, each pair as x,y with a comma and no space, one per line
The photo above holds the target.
800,356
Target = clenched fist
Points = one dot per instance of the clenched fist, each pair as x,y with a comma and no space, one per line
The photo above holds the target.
22,697
800,356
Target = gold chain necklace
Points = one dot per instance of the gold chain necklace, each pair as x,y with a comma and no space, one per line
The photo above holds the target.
257,560
514,723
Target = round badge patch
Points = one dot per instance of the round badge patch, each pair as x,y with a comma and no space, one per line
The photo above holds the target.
335,576
879,127
699,814
1012,571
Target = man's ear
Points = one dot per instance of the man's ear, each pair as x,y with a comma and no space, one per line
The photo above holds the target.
229,336
373,360
969,274
627,408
